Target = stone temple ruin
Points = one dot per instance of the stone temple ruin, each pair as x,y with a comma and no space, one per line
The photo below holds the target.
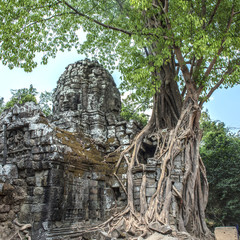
56,173
53,173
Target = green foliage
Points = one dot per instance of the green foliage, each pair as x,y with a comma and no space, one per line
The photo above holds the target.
129,111
220,152
21,96
45,102
118,32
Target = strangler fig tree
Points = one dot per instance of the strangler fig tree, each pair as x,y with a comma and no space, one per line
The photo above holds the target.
172,54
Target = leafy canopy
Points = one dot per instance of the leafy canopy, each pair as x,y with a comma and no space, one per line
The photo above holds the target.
137,37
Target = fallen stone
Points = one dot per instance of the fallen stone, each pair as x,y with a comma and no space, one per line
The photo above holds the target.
164,229
170,238
104,236
115,234
155,236
224,233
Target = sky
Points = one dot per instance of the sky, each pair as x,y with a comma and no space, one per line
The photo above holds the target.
223,105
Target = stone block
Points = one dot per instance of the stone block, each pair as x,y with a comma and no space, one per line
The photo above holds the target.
136,202
93,197
93,204
150,191
38,208
93,183
124,140
7,188
7,216
30,181
111,119
120,134
24,215
137,175
9,170
178,186
137,182
38,191
136,195
151,161
4,208
136,189
175,178
224,233
111,131
1,189
151,182
177,172
121,128
16,208
163,229
155,236
151,175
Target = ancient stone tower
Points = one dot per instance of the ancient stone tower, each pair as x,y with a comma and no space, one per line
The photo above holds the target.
54,173
86,99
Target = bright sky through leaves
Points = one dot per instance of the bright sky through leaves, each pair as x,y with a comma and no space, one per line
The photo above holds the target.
223,105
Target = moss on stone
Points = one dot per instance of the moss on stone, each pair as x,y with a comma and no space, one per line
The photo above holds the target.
84,155
43,120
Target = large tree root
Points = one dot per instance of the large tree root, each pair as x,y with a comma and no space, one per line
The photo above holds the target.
182,208
22,232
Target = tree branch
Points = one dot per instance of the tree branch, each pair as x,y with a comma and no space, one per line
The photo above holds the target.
214,12
43,20
96,21
235,13
216,86
221,47
182,63
192,65
120,4
183,91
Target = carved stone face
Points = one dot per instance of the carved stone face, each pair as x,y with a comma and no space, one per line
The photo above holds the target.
87,88
86,99
68,101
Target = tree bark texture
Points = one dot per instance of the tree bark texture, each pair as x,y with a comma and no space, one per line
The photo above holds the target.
181,187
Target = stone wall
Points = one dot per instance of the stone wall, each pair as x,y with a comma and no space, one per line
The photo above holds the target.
54,171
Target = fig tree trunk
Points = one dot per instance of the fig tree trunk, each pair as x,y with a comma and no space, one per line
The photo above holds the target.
181,192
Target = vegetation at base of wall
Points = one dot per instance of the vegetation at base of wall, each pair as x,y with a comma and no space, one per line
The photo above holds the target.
220,151
23,95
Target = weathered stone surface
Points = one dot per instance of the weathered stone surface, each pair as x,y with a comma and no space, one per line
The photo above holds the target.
164,229
4,208
224,233
170,238
155,236
86,100
104,236
52,171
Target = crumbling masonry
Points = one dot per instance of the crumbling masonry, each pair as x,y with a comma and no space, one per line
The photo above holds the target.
53,174
56,173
